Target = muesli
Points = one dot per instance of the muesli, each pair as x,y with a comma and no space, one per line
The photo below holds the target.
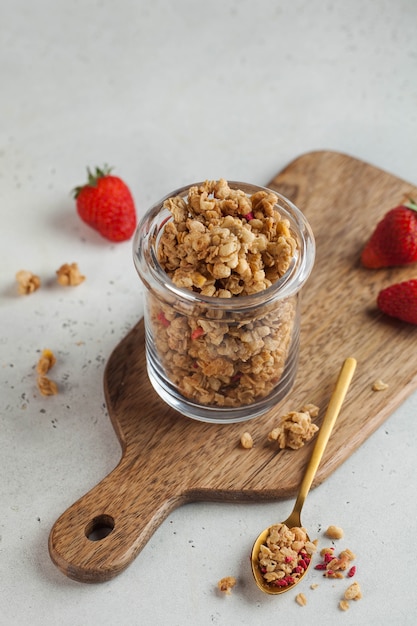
223,243
285,556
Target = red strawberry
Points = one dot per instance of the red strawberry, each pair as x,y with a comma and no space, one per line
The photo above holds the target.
400,301
394,240
106,204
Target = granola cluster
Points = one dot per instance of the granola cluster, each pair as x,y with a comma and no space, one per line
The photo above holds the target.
69,275
353,592
46,386
295,428
223,243
226,584
334,532
27,282
246,441
285,555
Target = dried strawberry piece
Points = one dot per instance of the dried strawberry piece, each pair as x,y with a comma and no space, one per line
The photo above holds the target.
163,319
197,332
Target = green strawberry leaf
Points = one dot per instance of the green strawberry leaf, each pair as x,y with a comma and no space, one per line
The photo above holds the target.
92,178
411,204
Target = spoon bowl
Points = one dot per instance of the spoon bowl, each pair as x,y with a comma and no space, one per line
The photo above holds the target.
294,519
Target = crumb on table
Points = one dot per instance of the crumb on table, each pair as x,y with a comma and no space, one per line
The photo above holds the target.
379,385
226,584
334,532
246,441
69,275
301,599
27,282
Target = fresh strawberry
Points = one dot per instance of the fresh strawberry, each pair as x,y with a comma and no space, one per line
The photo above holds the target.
106,204
394,240
400,301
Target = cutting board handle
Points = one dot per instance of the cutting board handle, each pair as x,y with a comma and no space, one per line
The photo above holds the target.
100,534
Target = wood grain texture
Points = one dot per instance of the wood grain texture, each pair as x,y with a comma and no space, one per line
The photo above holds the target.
168,459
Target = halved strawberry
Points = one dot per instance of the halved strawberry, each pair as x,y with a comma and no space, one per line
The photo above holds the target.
400,301
394,240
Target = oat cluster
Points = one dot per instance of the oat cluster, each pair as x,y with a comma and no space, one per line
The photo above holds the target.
353,592
295,428
46,361
222,243
226,584
46,386
27,282
285,555
69,275
246,440
334,532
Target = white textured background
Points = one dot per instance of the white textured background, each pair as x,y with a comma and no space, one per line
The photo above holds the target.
169,93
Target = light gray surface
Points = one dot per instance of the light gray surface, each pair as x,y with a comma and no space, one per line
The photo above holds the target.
169,93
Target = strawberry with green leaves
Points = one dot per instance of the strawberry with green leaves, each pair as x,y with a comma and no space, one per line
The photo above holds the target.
400,301
394,240
106,204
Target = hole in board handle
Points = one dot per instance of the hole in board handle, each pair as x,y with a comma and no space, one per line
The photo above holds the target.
99,528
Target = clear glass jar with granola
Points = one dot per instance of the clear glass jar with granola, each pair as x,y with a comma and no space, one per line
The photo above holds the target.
223,264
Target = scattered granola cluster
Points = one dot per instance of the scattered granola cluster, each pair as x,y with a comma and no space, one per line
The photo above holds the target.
334,532
67,275
333,566
353,592
379,385
285,555
246,440
341,567
27,282
46,386
295,428
226,584
223,243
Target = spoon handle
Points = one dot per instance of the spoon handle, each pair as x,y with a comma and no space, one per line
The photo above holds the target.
336,401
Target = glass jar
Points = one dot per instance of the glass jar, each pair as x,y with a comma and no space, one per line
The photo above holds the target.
222,359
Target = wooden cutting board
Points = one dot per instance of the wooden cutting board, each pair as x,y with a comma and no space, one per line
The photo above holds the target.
168,459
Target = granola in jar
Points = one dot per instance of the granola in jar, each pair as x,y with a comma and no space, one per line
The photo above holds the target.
217,332
223,362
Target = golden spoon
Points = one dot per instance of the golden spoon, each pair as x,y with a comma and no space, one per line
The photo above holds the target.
294,520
